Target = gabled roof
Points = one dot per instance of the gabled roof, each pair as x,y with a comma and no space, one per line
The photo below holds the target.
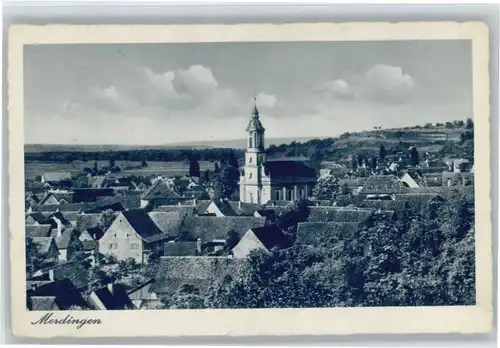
97,181
202,205
118,299
142,223
74,271
36,216
57,176
95,232
224,207
86,221
271,236
65,293
318,233
65,238
60,216
160,190
167,221
284,171
187,210
141,292
38,231
383,184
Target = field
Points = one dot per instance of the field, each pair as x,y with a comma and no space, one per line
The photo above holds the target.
32,168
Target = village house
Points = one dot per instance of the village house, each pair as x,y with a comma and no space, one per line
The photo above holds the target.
142,297
68,244
458,165
133,234
57,179
262,238
64,293
160,193
110,297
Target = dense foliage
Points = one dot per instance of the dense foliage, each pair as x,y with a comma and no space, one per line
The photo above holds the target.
423,258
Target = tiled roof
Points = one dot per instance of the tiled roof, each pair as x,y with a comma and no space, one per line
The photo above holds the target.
95,232
38,230
65,293
287,171
37,216
244,209
160,190
383,184
142,223
318,233
168,222
75,272
118,299
208,228
57,176
202,205
86,221
271,236
338,214
179,249
187,210
224,207
65,238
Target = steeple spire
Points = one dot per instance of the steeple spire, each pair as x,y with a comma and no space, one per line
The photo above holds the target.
255,113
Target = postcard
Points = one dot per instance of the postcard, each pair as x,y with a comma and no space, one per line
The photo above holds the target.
250,179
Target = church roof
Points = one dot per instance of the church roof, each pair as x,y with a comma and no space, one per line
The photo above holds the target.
255,123
289,171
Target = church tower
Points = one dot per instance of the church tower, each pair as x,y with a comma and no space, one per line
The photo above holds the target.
251,185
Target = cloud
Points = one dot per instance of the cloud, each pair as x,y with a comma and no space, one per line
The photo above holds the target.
387,83
381,83
266,101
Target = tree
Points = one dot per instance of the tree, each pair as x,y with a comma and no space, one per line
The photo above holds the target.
326,188
449,125
382,152
194,167
354,163
373,162
345,189
232,239
232,160
112,163
226,182
469,124
414,156
216,168
315,157
108,216
206,176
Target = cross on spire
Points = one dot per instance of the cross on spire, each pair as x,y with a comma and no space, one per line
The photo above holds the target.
255,111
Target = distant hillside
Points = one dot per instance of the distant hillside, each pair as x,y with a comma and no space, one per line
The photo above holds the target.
192,145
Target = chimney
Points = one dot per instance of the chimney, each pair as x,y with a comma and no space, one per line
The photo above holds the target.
59,226
239,205
198,245
51,275
110,287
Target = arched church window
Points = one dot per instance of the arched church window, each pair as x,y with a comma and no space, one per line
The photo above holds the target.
250,142
251,197
250,175
250,160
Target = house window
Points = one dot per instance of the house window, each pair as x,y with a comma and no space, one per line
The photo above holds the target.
134,246
114,235
250,175
112,246
128,235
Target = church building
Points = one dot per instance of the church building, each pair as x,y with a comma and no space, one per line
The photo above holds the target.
264,179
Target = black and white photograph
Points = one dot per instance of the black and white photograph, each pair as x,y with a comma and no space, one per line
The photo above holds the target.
249,175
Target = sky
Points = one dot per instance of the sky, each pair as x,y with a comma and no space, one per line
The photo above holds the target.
153,94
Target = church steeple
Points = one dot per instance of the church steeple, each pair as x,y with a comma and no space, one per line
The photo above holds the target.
255,131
